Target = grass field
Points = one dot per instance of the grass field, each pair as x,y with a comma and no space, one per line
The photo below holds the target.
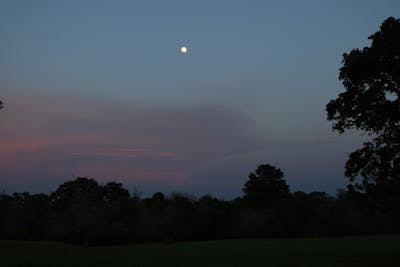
348,251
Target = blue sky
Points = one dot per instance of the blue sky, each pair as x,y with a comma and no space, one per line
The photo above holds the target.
100,89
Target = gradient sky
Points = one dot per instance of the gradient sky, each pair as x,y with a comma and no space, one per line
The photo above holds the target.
100,89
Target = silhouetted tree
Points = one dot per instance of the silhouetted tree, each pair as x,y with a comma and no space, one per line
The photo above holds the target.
80,203
1,104
86,212
158,197
212,219
24,215
180,216
299,216
371,103
115,213
266,186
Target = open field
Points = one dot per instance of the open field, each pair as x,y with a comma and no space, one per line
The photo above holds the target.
347,251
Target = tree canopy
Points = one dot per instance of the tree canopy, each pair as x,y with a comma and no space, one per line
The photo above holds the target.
83,211
370,103
266,186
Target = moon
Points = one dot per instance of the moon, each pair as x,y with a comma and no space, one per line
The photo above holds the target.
184,49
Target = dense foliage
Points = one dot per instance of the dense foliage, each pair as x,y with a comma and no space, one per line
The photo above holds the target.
371,104
82,211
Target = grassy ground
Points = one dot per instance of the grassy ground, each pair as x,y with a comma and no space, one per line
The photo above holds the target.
349,251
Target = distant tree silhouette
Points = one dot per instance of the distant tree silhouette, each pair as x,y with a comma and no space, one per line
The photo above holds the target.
115,214
1,104
180,216
266,186
158,196
80,203
114,194
371,103
213,217
82,211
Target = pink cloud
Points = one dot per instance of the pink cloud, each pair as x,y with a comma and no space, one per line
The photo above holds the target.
112,172
57,135
125,153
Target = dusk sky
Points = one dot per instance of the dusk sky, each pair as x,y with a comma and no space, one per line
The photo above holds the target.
100,89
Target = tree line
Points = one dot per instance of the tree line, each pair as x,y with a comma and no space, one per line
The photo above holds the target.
82,211
85,212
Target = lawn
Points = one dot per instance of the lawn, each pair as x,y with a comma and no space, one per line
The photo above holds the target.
346,251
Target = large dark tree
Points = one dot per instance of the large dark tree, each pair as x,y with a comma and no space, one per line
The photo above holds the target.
80,205
266,186
370,103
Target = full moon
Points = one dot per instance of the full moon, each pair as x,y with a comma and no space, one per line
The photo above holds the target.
184,49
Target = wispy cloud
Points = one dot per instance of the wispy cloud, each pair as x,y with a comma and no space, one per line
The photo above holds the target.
125,153
57,135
